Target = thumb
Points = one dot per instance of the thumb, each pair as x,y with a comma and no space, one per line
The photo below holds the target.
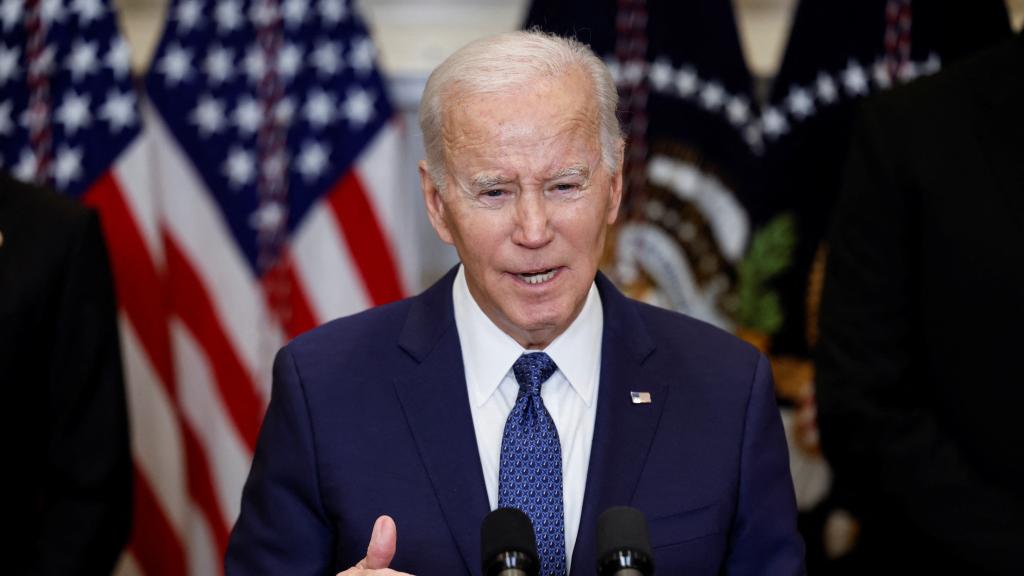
382,544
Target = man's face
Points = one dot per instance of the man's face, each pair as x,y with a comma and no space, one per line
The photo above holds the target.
526,203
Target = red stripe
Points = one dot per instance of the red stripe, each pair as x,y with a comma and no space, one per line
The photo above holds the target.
191,302
367,244
155,545
138,284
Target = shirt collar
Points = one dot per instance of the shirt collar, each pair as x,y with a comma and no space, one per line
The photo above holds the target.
488,353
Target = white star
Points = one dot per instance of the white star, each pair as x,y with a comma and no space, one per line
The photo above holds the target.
361,54
263,12
687,82
712,96
332,11
774,123
284,111
826,88
799,103
319,108
83,60
228,15
295,12
738,110
119,57
6,125
268,217
358,107
312,160
208,115
248,115
289,60
218,64
240,167
188,15
68,166
87,10
176,65
854,79
326,58
52,11
255,64
8,63
661,74
633,72
10,12
119,110
74,113
880,73
25,169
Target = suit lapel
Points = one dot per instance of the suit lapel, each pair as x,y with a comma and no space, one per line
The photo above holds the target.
436,405
623,431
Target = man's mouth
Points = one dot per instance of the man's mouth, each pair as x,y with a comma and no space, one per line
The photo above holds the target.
538,277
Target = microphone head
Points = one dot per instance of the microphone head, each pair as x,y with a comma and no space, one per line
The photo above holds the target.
507,541
622,541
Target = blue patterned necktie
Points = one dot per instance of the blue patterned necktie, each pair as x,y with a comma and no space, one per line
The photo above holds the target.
530,475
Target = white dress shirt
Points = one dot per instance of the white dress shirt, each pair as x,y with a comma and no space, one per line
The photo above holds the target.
570,395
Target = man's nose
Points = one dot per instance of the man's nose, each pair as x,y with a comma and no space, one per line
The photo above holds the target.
533,223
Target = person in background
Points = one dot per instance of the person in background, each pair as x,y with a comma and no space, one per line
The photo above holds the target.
919,393
67,504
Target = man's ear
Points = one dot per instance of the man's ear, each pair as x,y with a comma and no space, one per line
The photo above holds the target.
616,192
435,204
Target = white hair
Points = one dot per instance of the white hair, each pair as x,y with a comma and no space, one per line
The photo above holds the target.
497,63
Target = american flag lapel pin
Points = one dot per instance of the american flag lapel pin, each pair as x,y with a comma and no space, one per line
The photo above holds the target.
640,397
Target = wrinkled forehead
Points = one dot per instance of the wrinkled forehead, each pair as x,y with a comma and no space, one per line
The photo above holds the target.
534,111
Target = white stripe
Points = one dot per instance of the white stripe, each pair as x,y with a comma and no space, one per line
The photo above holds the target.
200,547
157,446
132,170
383,170
204,411
325,268
198,228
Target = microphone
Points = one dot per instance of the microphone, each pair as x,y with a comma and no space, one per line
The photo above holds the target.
623,547
508,546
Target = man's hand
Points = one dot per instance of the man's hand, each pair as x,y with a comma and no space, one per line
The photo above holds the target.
380,551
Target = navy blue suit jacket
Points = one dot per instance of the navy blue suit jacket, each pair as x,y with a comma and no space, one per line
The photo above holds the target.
369,415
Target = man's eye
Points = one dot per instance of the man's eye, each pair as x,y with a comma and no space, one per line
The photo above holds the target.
493,193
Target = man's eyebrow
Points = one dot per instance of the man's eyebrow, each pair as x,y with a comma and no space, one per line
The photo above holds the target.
571,171
489,181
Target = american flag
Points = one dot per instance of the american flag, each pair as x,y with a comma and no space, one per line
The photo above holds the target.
262,197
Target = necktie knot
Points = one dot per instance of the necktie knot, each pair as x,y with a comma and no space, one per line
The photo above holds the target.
532,370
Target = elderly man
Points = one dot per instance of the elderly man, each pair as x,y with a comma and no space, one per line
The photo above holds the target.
414,418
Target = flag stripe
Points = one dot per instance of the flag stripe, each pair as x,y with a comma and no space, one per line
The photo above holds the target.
191,303
137,282
324,266
154,542
369,248
205,414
